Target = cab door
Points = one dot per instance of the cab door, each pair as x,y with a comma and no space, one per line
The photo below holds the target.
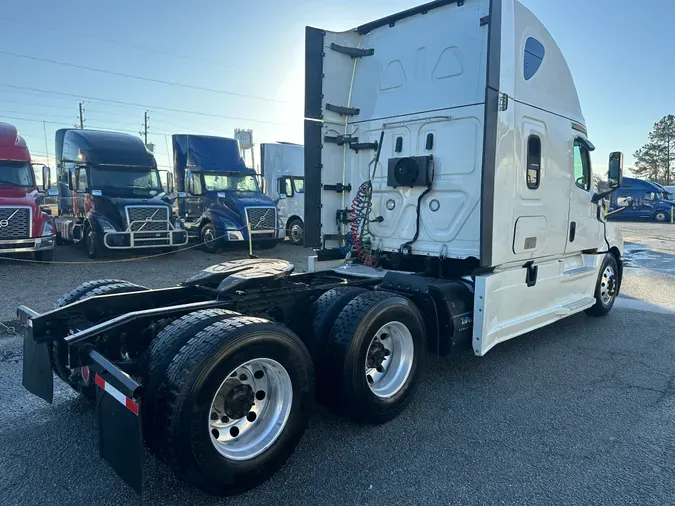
584,229
194,200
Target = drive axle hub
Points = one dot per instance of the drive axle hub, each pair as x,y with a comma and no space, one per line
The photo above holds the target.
239,401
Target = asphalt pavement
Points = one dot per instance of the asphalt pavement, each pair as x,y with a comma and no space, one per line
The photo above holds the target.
580,412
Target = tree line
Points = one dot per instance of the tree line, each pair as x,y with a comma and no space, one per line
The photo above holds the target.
654,160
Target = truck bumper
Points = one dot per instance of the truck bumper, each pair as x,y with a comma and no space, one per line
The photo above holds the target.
135,239
27,245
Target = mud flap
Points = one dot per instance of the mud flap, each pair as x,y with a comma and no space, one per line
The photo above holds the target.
37,375
120,433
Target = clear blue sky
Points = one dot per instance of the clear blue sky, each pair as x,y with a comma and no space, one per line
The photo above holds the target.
619,51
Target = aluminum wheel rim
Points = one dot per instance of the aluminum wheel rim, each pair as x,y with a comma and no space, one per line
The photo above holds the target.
245,437
386,375
208,237
608,286
296,233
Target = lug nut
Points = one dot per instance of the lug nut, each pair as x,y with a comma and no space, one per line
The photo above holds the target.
380,368
224,419
387,353
214,416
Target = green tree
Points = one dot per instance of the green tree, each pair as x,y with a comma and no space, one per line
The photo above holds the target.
655,159
648,162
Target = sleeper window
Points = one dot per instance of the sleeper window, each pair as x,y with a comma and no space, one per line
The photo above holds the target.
533,162
582,166
534,56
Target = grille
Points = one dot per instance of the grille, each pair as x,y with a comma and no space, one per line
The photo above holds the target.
151,216
14,223
261,218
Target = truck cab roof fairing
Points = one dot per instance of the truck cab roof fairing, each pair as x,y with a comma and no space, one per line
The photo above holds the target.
208,153
551,87
107,148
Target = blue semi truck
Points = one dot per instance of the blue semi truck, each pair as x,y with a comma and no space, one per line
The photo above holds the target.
643,200
219,198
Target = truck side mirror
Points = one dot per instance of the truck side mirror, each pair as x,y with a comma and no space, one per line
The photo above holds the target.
46,178
169,182
615,173
71,182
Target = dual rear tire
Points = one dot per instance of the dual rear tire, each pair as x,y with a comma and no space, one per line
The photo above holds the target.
228,399
368,348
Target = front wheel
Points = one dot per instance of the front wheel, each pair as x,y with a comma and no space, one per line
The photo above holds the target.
235,403
93,245
607,287
296,232
209,238
661,216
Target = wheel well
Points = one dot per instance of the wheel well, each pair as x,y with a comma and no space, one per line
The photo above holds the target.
290,220
614,251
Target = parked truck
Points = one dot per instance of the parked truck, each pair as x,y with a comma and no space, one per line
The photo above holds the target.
641,199
110,194
25,227
282,168
218,195
446,145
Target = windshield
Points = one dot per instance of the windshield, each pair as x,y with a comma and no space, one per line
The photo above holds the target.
16,173
237,182
114,177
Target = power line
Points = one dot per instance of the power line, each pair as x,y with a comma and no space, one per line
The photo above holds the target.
134,104
140,78
64,107
143,48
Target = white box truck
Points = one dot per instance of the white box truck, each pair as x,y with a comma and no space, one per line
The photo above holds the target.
282,169
447,187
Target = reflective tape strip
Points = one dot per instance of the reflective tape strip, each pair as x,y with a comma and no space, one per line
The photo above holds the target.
130,404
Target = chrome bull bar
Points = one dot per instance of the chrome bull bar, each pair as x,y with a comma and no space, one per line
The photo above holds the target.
141,238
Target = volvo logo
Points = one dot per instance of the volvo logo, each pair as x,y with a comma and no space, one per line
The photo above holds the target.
5,223
262,218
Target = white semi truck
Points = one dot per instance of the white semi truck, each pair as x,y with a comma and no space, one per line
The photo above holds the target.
282,170
448,195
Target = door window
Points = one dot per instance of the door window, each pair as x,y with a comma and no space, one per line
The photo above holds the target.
533,161
650,196
299,184
582,166
285,186
81,179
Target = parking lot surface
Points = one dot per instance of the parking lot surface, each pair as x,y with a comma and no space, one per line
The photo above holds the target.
581,412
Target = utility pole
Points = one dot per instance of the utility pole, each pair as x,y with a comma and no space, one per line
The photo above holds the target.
81,116
144,133
44,126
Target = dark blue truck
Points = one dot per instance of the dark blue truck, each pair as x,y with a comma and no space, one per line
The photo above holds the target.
219,197
642,200
110,196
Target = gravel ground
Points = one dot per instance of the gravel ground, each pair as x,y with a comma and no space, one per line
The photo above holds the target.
38,286
580,412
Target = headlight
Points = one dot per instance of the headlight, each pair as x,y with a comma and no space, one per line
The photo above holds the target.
106,226
47,229
234,235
